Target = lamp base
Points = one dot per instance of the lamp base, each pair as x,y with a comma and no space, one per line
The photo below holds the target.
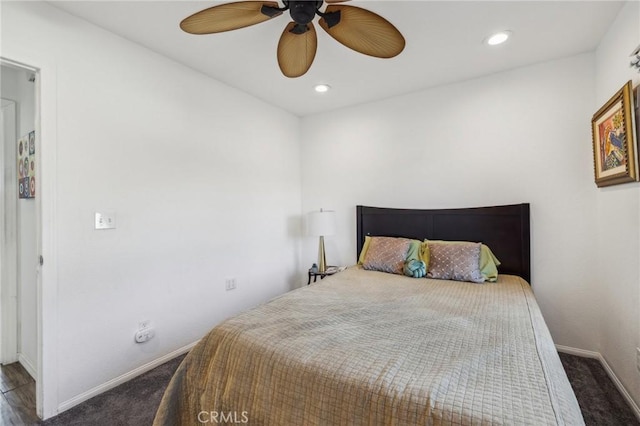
322,260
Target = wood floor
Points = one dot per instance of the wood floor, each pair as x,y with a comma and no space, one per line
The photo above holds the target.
18,401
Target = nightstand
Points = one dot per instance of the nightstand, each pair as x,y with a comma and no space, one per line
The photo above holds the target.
329,271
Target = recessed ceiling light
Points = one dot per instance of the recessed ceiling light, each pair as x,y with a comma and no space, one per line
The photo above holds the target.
321,88
498,38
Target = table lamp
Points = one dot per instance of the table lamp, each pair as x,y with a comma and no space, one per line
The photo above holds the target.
320,224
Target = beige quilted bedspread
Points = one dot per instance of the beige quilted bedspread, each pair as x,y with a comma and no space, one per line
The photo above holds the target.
369,348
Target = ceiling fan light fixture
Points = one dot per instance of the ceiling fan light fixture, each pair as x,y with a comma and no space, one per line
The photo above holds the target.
498,38
321,88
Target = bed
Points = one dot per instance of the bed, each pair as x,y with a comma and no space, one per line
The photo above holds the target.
365,347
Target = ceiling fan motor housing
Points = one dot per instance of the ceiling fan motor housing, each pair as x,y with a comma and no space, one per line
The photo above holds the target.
303,11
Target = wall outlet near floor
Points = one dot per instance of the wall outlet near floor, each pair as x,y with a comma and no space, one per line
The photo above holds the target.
230,284
145,331
145,334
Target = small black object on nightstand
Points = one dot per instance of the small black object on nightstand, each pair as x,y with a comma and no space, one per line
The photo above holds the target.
313,272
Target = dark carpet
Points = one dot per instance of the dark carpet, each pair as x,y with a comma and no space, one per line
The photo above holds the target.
132,403
599,399
135,402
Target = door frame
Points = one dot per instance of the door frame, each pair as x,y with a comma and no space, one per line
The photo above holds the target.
44,65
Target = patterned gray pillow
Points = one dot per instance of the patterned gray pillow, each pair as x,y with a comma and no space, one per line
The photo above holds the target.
386,254
458,262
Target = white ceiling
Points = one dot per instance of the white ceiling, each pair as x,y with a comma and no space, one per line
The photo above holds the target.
444,45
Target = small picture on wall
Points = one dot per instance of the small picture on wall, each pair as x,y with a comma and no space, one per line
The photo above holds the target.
27,166
614,142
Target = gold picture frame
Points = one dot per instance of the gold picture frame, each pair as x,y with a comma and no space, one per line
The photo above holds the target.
615,157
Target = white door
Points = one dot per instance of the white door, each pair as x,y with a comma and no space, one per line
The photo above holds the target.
8,236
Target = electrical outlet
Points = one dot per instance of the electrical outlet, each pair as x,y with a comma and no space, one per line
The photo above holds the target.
144,335
230,284
105,220
145,331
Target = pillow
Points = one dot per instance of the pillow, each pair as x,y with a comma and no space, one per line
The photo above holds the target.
414,251
488,261
386,254
415,268
458,262
488,264
363,252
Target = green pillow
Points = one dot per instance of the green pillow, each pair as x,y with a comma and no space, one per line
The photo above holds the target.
363,252
414,250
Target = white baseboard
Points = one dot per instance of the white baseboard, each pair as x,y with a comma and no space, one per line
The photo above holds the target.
578,352
123,378
607,368
28,365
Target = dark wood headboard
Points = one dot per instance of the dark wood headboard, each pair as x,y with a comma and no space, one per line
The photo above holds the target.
505,229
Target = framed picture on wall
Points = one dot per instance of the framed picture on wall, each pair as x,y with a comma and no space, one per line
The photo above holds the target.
615,156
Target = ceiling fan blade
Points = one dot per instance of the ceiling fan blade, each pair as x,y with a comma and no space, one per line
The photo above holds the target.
363,31
297,49
230,16
335,1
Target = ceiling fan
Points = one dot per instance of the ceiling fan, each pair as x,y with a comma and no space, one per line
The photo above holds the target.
356,28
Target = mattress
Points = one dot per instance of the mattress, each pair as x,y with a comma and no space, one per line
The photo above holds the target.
368,348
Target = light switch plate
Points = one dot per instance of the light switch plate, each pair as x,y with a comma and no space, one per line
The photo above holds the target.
105,220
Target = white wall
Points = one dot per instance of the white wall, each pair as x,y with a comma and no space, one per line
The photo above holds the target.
15,86
204,180
618,215
518,136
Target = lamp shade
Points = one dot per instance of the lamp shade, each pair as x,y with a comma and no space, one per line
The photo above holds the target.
322,223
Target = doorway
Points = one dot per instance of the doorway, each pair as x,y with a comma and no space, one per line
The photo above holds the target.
8,241
19,227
